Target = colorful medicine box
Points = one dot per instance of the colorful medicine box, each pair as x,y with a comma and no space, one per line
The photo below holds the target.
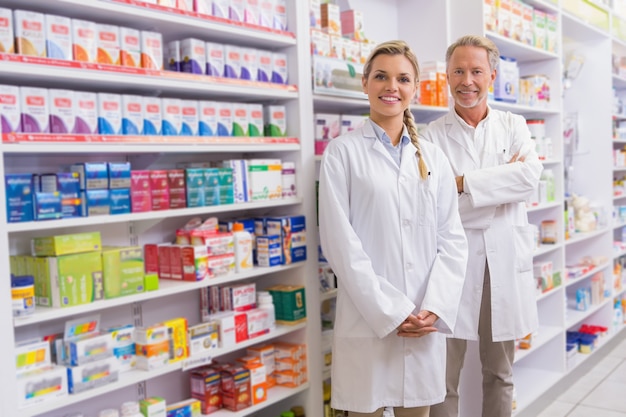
79,277
123,271
289,303
67,244
292,230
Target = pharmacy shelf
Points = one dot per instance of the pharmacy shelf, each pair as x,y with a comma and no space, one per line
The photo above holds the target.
590,272
274,395
535,382
166,288
544,335
46,72
520,51
575,317
172,23
583,236
550,292
36,144
147,216
542,207
619,82
544,249
137,376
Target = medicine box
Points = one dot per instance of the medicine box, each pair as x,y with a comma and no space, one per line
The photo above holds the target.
97,202
203,338
7,44
178,191
268,250
140,192
206,387
292,230
93,175
123,346
19,197
41,385
30,35
186,408
153,407
66,244
236,388
119,175
289,303
88,348
92,375
123,271
47,206
79,278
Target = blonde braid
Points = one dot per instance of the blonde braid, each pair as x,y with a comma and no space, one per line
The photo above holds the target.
410,126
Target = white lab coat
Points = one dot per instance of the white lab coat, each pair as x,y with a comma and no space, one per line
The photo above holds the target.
493,212
396,245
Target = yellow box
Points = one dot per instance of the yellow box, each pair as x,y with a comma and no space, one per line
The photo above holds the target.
66,244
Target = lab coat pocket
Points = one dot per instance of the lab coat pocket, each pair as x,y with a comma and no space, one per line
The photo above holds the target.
523,240
426,204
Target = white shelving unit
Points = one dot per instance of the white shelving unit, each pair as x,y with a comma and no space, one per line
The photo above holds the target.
172,299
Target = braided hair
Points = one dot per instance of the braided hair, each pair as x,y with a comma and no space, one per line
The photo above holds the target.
398,47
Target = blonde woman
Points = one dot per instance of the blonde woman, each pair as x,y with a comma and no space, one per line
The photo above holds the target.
391,231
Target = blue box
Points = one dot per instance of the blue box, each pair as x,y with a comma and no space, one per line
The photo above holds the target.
119,201
19,197
93,175
97,202
268,250
292,230
506,84
119,175
68,184
48,206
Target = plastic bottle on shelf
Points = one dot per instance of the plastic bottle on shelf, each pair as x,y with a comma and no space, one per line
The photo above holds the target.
243,248
265,301
548,176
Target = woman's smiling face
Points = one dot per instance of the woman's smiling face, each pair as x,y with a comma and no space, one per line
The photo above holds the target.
390,86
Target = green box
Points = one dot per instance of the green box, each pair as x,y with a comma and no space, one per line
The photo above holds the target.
79,278
289,303
67,244
151,282
122,268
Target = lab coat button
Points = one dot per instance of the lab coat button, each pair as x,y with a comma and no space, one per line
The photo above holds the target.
406,222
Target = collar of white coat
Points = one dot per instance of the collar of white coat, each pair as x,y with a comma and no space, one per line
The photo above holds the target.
382,136
459,131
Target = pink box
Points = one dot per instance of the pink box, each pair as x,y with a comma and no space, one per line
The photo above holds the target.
178,192
140,194
320,146
159,190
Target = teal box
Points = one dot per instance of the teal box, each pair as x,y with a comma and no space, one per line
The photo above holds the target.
120,201
226,189
19,197
195,180
211,186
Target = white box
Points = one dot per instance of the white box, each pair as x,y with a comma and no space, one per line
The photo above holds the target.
62,111
7,42
265,179
214,59
232,61
58,37
30,34
109,114
10,115
171,112
207,118
86,106
132,114
153,118
35,110
108,43
226,325
190,118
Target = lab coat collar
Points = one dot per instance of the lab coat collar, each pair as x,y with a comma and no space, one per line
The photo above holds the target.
377,145
456,129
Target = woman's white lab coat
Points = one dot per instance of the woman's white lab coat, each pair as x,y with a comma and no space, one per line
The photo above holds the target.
396,245
494,217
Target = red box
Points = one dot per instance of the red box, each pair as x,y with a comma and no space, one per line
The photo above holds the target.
178,192
165,271
176,262
194,260
241,327
160,190
140,194
236,388
151,258
206,387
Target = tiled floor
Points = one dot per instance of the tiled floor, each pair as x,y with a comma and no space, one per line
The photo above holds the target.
600,393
